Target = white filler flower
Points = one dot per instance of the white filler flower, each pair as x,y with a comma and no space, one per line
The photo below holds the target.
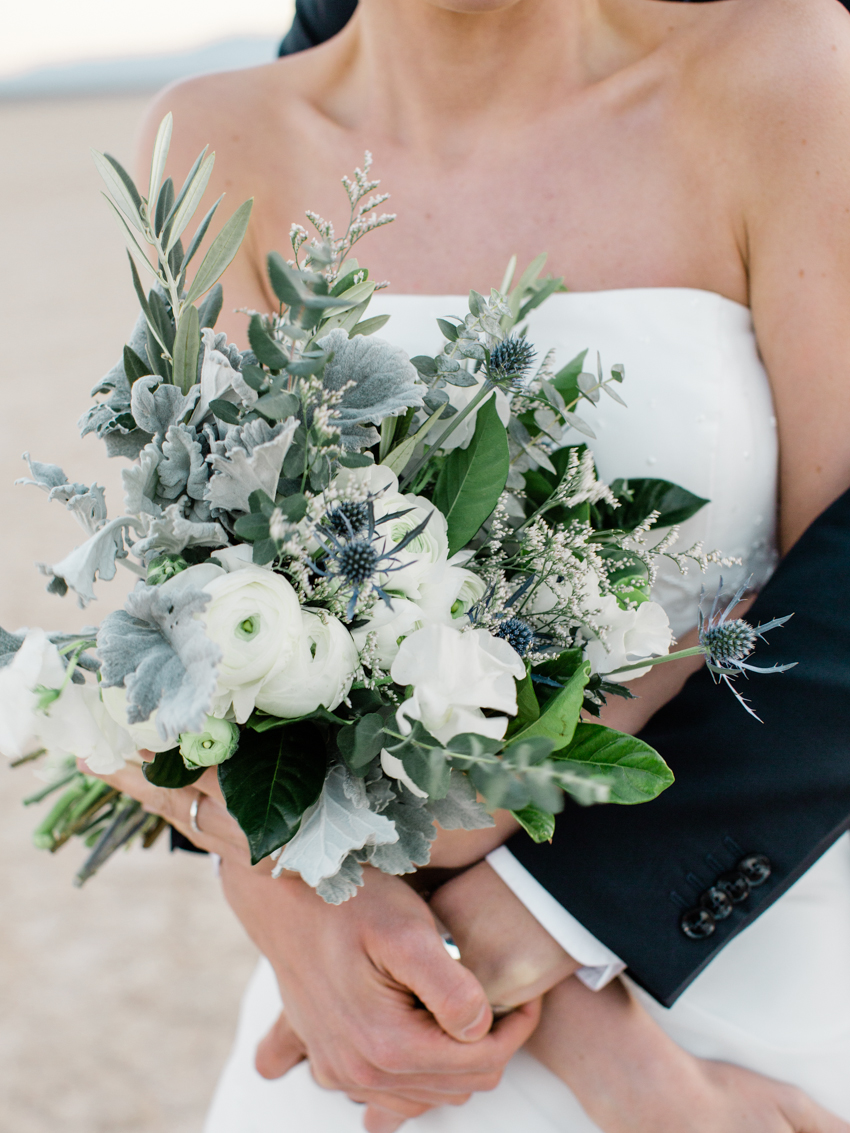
454,676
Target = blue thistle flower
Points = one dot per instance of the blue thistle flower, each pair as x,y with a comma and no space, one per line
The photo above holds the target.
727,642
517,634
350,550
348,518
511,359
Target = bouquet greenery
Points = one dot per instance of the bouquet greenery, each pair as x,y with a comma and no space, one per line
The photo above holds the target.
378,592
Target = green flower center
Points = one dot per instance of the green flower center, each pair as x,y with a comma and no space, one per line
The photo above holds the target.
248,628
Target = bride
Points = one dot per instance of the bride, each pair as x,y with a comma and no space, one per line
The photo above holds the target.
686,168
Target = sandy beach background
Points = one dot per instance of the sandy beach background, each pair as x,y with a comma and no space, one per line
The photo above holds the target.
118,1000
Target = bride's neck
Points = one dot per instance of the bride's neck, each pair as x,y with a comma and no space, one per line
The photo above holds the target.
421,73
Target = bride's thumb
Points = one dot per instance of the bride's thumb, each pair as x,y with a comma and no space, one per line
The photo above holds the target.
279,1051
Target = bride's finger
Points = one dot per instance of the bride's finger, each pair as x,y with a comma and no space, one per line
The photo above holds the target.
200,817
279,1050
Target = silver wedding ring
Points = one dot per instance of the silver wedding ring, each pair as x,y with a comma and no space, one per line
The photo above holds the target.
193,813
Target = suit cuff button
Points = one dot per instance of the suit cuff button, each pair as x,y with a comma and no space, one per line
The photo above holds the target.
734,885
756,868
717,901
697,923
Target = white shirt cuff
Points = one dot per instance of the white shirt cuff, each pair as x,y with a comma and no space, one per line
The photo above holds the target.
599,965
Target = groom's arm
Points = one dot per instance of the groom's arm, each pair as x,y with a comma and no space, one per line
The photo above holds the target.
633,876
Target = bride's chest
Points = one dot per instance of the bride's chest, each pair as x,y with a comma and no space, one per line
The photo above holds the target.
623,199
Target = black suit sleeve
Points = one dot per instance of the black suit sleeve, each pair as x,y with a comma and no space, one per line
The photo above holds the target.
780,789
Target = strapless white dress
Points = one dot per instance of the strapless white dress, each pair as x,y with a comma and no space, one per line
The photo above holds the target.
777,998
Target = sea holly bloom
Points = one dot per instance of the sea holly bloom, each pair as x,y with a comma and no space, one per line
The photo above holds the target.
727,642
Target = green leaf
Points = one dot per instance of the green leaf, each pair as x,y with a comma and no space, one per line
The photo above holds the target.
264,346
640,497
528,709
449,329
252,527
425,760
425,365
160,156
369,326
472,479
130,237
271,780
635,771
559,718
401,455
277,406
164,204
258,501
200,233
134,366
221,252
163,326
294,507
225,411
187,343
539,824
356,460
541,292
253,375
189,198
210,309
121,186
167,769
565,381
286,283
362,742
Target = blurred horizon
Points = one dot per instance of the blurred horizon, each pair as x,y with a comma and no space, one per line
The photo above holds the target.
100,45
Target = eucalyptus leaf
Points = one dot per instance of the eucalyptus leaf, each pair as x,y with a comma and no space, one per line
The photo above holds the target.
460,808
271,780
369,326
264,346
472,479
360,743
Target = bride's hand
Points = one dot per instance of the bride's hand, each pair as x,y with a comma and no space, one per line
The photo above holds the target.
631,1077
353,977
506,947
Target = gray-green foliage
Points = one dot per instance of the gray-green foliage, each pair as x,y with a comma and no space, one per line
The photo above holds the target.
157,649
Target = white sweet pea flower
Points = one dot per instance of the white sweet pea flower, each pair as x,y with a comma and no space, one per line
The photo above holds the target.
448,592
70,724
391,625
629,636
144,735
459,398
319,672
454,675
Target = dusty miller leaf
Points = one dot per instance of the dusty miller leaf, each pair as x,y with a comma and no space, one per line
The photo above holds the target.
344,883
253,462
416,832
460,809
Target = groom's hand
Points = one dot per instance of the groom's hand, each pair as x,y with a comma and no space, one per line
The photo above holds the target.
381,1009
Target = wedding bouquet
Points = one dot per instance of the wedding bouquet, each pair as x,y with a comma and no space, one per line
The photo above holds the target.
377,592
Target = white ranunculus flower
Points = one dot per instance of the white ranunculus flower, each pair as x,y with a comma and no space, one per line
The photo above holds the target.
319,672
145,735
197,576
459,398
390,626
454,675
72,724
630,636
255,618
412,565
237,558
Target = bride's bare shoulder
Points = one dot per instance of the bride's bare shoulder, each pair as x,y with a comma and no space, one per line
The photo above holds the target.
769,58
247,116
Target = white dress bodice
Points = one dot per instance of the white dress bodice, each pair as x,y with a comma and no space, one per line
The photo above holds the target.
699,411
777,998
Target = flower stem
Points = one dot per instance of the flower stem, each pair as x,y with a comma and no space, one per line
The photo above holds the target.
450,428
694,651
